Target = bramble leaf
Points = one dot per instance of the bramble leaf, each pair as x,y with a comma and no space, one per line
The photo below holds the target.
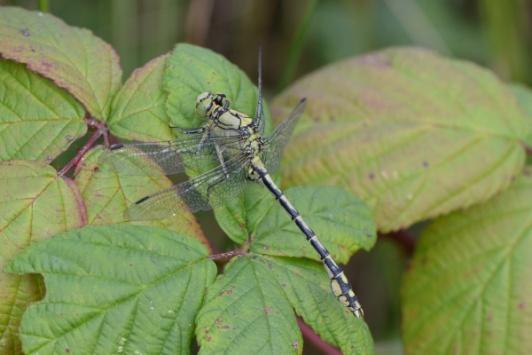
241,214
249,309
192,70
247,312
306,285
113,289
138,111
341,221
38,120
234,313
344,225
413,134
73,58
468,287
34,204
108,191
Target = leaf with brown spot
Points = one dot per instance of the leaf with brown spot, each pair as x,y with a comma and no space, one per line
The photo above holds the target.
72,57
413,134
34,204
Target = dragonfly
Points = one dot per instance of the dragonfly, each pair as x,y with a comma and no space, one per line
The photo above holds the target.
235,144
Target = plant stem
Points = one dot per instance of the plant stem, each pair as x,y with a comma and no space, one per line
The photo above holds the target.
44,5
227,255
312,337
296,48
92,122
81,153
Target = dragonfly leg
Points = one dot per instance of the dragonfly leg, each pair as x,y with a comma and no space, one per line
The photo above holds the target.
221,159
203,138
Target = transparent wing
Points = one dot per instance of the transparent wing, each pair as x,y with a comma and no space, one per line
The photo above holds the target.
203,192
275,144
170,156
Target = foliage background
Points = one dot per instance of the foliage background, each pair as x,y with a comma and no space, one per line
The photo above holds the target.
299,36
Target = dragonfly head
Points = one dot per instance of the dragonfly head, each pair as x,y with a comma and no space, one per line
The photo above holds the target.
204,103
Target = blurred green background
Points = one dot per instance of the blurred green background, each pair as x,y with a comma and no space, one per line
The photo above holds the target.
299,36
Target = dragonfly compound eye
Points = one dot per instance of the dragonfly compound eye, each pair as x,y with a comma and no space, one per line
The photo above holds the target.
204,103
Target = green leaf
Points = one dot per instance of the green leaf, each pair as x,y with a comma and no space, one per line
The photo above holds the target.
342,223
415,135
73,58
240,215
468,287
192,70
249,309
114,289
138,111
246,312
306,286
38,120
524,98
108,191
34,204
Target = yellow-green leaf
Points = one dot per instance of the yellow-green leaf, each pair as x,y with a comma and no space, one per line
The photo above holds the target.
468,288
412,133
34,204
38,120
246,312
109,191
72,57
138,111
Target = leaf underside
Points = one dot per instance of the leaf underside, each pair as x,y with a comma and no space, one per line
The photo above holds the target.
468,287
413,134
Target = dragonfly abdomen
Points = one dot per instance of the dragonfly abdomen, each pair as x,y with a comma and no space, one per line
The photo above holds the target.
338,281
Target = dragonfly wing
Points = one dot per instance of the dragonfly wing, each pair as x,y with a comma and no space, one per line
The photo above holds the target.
201,193
169,156
276,143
